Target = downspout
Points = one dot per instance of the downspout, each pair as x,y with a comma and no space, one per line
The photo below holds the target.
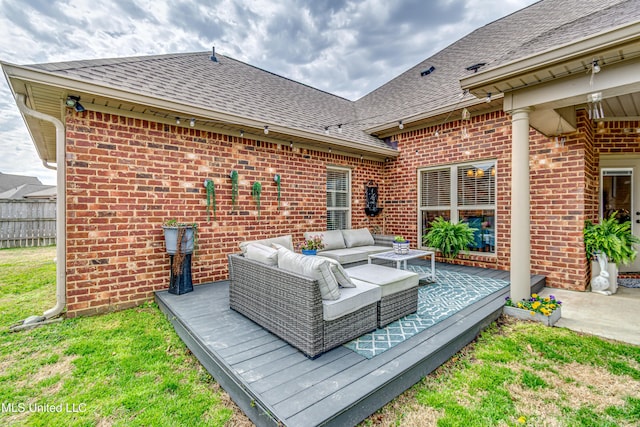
61,246
48,166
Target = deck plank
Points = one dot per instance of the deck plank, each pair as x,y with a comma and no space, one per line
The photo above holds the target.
274,383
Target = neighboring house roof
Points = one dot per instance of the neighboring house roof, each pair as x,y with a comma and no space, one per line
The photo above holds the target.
234,94
30,191
46,192
8,181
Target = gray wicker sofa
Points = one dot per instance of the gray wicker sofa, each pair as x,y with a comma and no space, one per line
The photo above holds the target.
290,306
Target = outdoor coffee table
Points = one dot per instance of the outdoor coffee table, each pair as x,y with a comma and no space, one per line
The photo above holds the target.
401,260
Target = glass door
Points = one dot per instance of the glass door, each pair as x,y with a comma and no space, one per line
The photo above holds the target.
618,195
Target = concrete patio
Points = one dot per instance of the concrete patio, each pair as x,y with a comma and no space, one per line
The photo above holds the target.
615,317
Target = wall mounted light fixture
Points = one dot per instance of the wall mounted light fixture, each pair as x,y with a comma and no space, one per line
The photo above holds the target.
74,102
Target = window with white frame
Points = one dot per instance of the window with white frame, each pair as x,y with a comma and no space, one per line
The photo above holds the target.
462,192
338,198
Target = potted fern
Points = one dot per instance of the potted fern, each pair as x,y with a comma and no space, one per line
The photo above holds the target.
609,242
448,237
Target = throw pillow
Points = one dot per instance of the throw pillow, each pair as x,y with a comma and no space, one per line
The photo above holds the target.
262,253
341,275
313,267
286,241
359,237
331,239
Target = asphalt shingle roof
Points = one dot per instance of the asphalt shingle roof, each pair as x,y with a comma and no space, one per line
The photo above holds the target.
535,28
9,181
234,87
228,86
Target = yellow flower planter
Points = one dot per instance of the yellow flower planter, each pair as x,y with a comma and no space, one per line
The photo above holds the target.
523,314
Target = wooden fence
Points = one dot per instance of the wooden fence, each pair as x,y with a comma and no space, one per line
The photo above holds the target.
27,223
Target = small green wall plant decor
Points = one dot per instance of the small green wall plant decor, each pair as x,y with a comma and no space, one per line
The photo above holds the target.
211,197
276,178
234,188
256,191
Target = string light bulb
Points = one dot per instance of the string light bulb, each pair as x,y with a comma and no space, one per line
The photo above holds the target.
326,130
266,130
488,98
340,128
241,133
177,120
400,125
595,66
192,122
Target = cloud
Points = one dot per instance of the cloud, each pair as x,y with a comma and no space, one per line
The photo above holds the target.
345,47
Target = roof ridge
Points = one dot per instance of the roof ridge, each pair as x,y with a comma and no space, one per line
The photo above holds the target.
87,63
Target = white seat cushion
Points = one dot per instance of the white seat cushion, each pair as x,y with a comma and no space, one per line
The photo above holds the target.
375,249
351,299
317,268
347,255
390,280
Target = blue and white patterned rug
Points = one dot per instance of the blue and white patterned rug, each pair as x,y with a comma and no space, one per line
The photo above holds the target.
451,292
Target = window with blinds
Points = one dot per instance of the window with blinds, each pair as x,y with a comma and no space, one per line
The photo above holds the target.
476,184
338,198
463,192
435,190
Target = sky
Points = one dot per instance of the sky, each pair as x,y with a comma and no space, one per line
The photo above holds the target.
345,47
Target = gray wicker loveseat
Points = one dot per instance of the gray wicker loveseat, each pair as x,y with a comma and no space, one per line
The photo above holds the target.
290,305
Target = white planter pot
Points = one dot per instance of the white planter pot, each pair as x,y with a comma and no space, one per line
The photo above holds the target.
523,314
612,269
401,248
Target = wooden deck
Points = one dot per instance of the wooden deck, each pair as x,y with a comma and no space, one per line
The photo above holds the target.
275,384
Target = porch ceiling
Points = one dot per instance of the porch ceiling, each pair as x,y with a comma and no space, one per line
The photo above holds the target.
563,77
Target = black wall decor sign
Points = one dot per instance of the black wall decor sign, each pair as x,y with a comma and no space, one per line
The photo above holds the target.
371,199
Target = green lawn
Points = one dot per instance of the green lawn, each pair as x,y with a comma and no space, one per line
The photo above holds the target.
123,369
130,368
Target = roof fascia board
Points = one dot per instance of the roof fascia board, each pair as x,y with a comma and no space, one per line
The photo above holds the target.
49,79
392,127
585,47
619,79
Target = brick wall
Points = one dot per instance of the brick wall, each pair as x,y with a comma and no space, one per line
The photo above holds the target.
562,190
126,176
489,137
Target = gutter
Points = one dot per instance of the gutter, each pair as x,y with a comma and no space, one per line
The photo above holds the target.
61,246
49,78
583,48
